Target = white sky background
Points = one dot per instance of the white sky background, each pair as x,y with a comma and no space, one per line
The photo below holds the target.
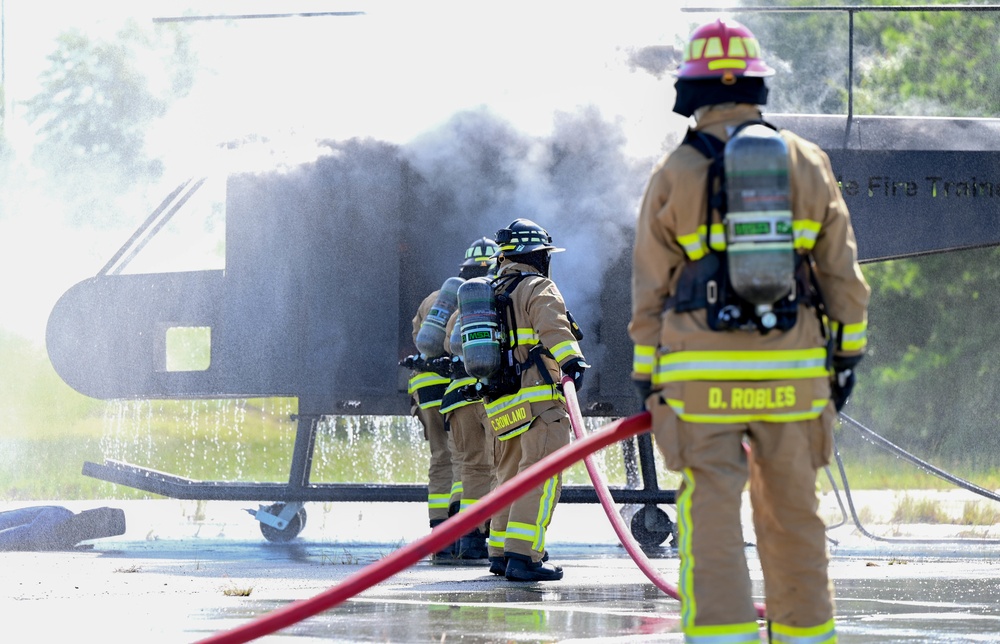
399,70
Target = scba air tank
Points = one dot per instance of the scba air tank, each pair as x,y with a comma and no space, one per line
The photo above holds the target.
480,326
430,336
760,247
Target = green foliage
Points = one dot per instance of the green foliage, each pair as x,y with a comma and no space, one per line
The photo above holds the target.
928,63
928,379
96,103
33,399
809,50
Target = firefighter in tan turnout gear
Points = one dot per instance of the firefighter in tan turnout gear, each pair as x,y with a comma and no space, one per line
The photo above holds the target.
749,316
427,384
465,418
526,408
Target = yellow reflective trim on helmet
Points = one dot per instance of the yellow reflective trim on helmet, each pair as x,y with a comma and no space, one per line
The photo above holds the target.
713,48
695,49
727,63
753,47
736,48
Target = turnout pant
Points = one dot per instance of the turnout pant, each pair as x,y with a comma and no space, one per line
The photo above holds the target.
444,483
781,464
520,527
471,452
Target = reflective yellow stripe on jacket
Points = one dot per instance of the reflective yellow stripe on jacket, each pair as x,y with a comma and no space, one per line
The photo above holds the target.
742,366
696,244
680,366
425,379
428,388
459,402
524,337
539,393
565,349
851,337
643,357
763,416
805,231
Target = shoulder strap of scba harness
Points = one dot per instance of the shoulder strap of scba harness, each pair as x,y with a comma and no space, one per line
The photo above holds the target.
510,368
704,283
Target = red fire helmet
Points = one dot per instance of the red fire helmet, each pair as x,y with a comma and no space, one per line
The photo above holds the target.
722,49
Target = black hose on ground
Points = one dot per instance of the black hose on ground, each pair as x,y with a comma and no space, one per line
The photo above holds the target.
874,438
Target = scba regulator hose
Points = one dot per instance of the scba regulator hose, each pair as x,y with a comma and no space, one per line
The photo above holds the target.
439,537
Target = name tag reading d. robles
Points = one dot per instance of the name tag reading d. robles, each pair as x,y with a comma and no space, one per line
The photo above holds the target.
511,418
740,398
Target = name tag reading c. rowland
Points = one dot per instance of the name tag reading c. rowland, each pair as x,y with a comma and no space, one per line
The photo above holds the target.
511,418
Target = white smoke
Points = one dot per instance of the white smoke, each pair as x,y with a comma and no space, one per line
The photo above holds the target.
553,89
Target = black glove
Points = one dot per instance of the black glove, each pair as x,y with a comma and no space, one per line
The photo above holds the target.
643,388
843,379
574,368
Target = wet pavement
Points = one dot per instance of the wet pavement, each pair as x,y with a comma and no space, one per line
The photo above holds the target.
187,570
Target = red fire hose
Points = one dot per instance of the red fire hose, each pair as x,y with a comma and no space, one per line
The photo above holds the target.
439,537
604,494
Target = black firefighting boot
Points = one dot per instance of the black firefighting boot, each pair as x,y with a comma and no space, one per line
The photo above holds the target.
446,554
522,568
498,566
473,546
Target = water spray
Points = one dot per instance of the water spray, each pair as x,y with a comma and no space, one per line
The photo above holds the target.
444,534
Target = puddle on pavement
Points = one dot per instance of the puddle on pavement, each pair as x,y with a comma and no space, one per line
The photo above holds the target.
507,614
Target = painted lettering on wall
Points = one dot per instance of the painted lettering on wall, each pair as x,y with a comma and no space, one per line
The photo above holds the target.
933,187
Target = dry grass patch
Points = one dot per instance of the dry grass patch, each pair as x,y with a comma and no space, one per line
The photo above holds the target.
980,513
910,510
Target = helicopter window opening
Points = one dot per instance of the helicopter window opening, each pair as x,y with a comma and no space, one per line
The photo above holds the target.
188,348
189,234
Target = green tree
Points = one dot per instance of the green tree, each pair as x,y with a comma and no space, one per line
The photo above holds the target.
927,382
97,100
